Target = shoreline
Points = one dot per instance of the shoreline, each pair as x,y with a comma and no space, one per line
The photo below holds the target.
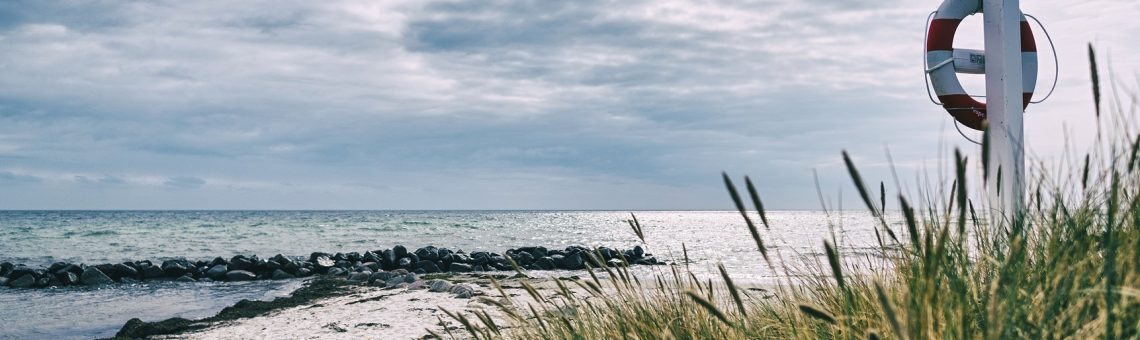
334,307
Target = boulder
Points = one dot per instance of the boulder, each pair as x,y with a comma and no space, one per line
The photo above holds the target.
151,272
400,251
93,276
545,263
217,272
302,272
370,257
457,267
280,275
335,271
573,261
3,281
379,277
410,277
123,270
428,266
419,284
429,253
68,278
394,281
5,268
185,278
174,268
462,291
439,286
359,277
240,275
406,263
24,281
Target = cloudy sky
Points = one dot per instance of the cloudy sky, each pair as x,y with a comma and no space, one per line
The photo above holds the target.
492,104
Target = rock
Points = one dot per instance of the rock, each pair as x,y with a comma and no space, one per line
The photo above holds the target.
457,267
573,261
151,272
538,252
218,260
5,268
240,275
24,281
54,267
3,281
646,261
324,262
68,278
373,266
388,259
335,271
302,272
93,276
419,284
124,270
428,266
127,279
638,252
545,263
370,257
394,281
410,277
429,253
217,272
400,251
359,277
523,258
185,278
406,263
19,271
174,268
462,291
615,263
280,275
352,257
439,286
379,277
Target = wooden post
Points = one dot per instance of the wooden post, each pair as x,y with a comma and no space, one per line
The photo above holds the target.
1002,20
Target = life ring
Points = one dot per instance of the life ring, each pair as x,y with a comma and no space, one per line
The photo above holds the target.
940,53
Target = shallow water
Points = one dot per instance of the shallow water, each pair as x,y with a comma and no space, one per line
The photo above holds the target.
39,238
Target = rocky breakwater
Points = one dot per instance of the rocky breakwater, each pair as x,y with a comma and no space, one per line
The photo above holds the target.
367,266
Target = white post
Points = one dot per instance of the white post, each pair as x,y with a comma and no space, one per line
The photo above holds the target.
1002,20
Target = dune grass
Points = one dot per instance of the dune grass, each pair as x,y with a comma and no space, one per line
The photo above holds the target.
1065,266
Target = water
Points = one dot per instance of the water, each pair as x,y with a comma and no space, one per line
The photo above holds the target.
38,238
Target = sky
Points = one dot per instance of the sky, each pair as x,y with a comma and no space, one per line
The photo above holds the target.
497,104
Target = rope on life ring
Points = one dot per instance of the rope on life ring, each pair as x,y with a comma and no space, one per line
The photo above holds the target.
940,53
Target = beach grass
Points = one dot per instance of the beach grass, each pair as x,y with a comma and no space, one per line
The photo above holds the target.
952,266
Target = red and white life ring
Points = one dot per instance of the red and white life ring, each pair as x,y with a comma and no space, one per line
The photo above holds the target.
943,77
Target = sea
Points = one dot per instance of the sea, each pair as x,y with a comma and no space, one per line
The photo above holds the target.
39,238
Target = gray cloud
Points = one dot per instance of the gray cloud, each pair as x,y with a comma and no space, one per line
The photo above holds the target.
592,104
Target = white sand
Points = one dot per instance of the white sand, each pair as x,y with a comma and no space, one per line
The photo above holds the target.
368,313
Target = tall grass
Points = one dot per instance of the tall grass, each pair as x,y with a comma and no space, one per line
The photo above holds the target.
1065,267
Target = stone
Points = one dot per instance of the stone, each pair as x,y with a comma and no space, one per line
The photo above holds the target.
68,278
410,277
615,263
428,266
439,286
335,271
573,261
151,272
406,263
462,291
370,257
127,279
93,276
359,277
429,253
379,277
538,252
638,252
302,272
352,256
3,281
280,275
217,272
419,284
400,251
545,263
394,281
24,281
523,258
185,278
218,260
19,271
457,267
5,268
123,270
240,275
174,268
388,259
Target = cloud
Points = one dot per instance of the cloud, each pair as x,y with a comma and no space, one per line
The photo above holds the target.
185,182
487,104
